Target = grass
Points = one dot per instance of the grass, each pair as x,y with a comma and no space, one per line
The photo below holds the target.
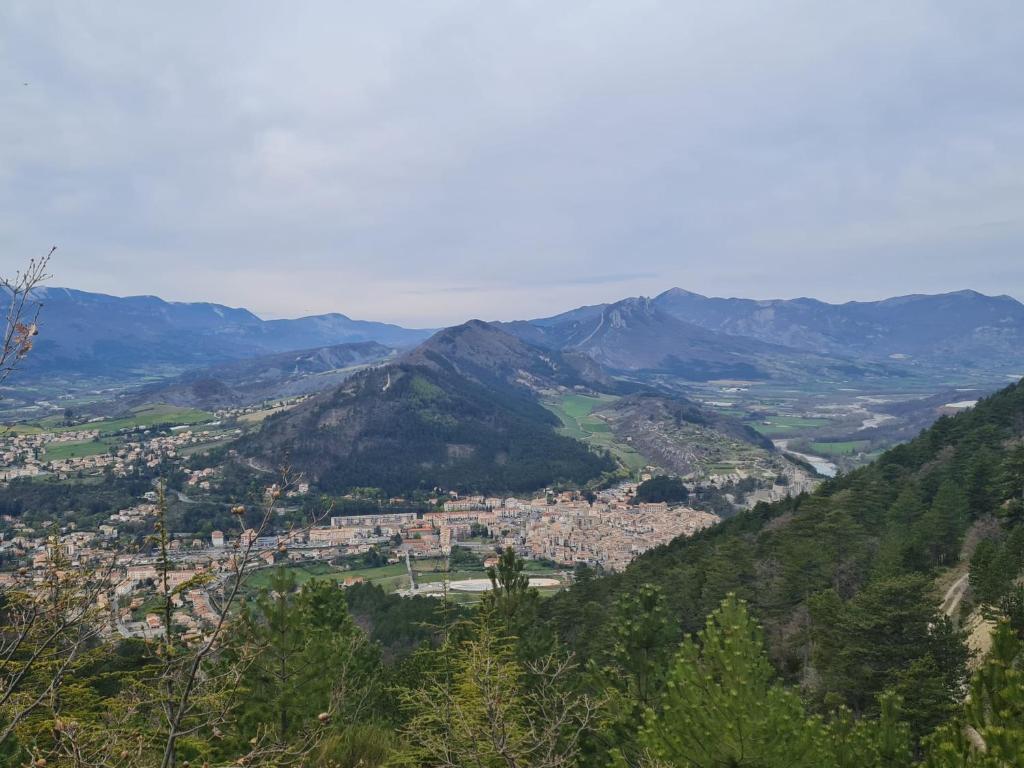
206,447
21,429
841,448
257,416
261,579
153,604
60,451
576,414
782,426
143,416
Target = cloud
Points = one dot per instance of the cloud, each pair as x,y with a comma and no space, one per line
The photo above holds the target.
430,162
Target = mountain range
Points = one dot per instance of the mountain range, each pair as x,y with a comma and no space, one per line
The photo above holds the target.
677,332
94,334
961,328
407,409
638,335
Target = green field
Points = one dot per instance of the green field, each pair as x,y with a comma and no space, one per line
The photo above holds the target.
840,449
60,451
143,416
576,414
785,426
304,573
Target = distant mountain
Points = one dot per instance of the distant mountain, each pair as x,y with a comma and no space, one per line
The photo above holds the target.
86,334
634,335
284,374
962,328
637,335
460,411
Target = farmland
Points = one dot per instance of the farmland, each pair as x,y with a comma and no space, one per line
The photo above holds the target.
576,412
138,418
77,450
843,448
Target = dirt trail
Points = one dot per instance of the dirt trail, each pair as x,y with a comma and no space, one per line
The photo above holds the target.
954,595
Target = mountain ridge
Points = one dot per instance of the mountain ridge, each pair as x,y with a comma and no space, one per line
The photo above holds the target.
83,333
963,327
248,381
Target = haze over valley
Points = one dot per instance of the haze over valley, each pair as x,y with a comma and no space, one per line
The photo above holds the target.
511,385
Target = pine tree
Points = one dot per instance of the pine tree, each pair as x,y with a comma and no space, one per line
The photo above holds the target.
1011,484
491,710
871,743
306,657
990,733
513,604
870,643
724,707
943,524
898,550
634,675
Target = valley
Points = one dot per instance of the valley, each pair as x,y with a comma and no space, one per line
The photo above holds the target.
511,385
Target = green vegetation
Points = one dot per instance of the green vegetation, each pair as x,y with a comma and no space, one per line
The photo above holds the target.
785,426
86,502
841,448
852,569
408,429
575,412
804,634
60,451
143,417
661,488
395,576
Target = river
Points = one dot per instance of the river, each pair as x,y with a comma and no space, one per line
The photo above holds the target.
821,465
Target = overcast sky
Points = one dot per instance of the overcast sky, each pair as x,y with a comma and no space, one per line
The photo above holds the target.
425,162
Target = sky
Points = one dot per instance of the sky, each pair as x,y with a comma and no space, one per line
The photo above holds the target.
427,162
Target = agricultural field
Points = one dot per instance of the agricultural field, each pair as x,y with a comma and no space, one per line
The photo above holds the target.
844,448
786,426
256,417
576,412
143,416
61,451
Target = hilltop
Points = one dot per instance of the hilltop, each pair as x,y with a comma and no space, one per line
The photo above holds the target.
460,411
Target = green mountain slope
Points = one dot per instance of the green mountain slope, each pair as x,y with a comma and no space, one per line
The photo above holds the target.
844,580
460,412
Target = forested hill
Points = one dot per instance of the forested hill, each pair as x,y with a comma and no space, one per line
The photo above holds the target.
406,428
844,580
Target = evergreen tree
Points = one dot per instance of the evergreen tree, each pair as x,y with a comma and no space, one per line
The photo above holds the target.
634,674
870,643
481,707
943,524
869,743
899,551
513,604
992,572
723,706
990,732
1011,483
305,656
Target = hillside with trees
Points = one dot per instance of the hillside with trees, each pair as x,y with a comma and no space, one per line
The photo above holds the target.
809,632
